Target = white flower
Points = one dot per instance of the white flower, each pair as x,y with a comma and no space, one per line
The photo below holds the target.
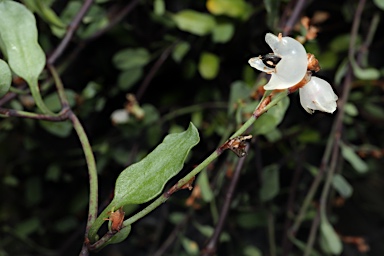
317,94
288,66
292,66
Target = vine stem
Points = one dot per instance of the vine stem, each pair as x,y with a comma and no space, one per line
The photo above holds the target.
87,149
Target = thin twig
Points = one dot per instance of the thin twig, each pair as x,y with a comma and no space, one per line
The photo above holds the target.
70,32
155,68
299,6
210,248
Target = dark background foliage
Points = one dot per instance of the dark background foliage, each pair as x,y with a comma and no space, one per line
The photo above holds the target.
44,182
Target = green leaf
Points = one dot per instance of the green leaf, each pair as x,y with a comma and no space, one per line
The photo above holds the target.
223,32
364,73
251,251
129,78
357,163
271,185
203,182
5,78
194,22
239,91
45,12
131,58
119,237
53,102
209,65
379,3
271,119
329,240
18,41
232,8
180,50
190,246
159,7
342,186
60,129
142,181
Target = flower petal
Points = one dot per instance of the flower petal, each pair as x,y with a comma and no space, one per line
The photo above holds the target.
317,94
258,64
293,65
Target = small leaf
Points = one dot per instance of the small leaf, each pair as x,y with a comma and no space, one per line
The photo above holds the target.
131,58
209,65
129,78
271,185
251,251
357,163
119,236
60,129
190,246
159,7
342,186
223,32
329,240
379,3
231,8
45,12
271,119
180,50
203,182
5,78
239,91
364,73
194,22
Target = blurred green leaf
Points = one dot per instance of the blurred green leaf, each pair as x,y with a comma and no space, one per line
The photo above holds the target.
209,65
251,220
66,224
180,50
309,136
351,109
223,32
251,251
90,90
27,227
53,102
190,246
329,240
5,78
203,182
131,58
270,182
33,191
60,129
232,8
45,12
268,121
357,163
239,92
374,110
208,231
129,78
364,73
342,186
379,3
196,23
159,7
